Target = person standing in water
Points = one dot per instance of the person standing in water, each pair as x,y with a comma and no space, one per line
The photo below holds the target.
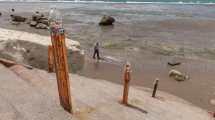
96,51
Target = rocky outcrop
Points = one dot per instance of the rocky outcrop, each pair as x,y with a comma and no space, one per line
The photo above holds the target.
106,20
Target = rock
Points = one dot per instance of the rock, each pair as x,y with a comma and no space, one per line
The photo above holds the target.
174,73
174,63
37,17
33,24
41,26
44,21
106,20
18,18
13,10
0,14
40,18
177,75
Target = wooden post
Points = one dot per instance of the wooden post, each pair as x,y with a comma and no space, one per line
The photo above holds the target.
61,67
155,87
50,59
127,78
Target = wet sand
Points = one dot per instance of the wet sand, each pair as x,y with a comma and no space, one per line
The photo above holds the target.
199,89
147,44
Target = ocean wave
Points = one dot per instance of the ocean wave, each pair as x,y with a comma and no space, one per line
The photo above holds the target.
100,1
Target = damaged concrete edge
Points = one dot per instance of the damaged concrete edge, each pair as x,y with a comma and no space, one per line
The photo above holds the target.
9,63
32,49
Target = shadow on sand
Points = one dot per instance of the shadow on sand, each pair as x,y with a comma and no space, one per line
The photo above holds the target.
137,108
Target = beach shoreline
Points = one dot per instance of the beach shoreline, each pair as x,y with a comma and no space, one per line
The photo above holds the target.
149,49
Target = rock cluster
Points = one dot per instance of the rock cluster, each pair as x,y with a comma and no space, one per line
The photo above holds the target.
106,20
39,21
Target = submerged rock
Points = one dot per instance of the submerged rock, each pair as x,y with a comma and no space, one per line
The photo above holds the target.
106,20
177,75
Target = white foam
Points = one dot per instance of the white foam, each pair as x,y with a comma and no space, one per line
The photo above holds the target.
99,1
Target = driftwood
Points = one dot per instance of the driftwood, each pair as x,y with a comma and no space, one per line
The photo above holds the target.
9,63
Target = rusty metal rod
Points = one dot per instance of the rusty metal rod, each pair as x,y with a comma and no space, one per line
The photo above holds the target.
127,78
50,59
155,87
61,68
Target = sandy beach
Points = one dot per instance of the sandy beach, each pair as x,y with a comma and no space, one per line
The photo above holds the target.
149,38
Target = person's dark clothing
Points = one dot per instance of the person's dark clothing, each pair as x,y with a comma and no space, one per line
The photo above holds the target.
96,51
96,54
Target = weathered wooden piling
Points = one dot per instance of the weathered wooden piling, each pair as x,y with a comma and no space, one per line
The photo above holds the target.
50,59
155,87
127,78
61,67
